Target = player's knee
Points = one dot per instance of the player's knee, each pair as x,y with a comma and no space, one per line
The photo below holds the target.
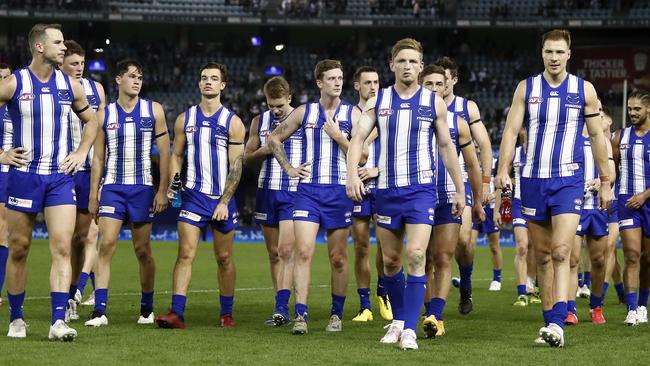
224,258
542,257
339,260
107,248
143,254
561,252
18,253
416,257
521,251
632,257
285,251
442,262
274,254
598,262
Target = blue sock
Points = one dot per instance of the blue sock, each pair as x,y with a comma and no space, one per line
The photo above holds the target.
631,301
59,302
605,286
226,304
146,303
571,306
92,279
101,299
437,307
428,309
595,301
620,289
496,275
301,309
580,282
337,305
587,279
364,297
465,275
413,296
282,300
521,289
16,305
643,297
4,254
559,313
547,315
381,289
395,289
72,292
83,279
178,305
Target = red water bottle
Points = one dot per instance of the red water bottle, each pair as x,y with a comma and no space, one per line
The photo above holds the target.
506,205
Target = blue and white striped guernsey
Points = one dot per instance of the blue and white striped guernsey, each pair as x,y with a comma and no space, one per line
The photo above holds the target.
517,165
406,136
616,181
5,134
554,121
460,106
129,138
40,118
272,176
373,161
445,185
635,162
77,126
328,164
590,172
207,150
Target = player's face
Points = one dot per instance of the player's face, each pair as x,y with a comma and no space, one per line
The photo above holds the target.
4,73
367,85
435,82
130,82
280,107
211,83
73,65
556,54
407,66
331,84
52,46
639,113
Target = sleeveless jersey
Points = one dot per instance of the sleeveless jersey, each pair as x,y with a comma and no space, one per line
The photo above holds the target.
460,106
445,185
5,134
634,167
77,126
517,164
272,176
590,172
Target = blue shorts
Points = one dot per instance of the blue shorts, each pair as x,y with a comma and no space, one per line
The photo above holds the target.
613,213
197,209
629,218
487,226
444,197
442,215
3,186
325,204
30,192
542,198
367,207
406,205
593,222
273,206
82,188
518,219
127,202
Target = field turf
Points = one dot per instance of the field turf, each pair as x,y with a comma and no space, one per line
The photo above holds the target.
494,333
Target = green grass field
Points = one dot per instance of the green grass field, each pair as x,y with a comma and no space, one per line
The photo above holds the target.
495,333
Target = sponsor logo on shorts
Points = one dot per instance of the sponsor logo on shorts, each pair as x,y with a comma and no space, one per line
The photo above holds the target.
431,218
356,209
260,216
519,221
579,228
300,213
347,220
107,209
528,211
430,210
20,202
384,219
577,202
189,215
348,214
626,222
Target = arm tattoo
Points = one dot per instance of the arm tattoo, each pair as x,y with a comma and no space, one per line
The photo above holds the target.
280,155
232,181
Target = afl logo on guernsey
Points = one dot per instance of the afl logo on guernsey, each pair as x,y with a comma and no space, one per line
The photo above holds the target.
265,133
26,97
190,129
535,100
64,95
385,112
113,126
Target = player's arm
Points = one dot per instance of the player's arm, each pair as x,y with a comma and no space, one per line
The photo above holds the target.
364,172
473,168
83,110
236,137
449,157
255,154
162,141
97,166
17,156
102,95
178,150
480,134
593,121
514,121
290,125
366,123
333,129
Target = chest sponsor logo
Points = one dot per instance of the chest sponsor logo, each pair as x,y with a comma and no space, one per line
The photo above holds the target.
425,111
146,122
573,98
65,95
300,213
385,112
26,97
92,100
189,215
535,100
20,202
384,219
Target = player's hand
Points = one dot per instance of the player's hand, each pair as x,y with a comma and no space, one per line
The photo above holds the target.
302,171
496,217
93,208
367,173
458,205
635,202
17,157
485,194
605,197
331,127
354,188
593,185
160,202
502,182
221,212
478,213
73,162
